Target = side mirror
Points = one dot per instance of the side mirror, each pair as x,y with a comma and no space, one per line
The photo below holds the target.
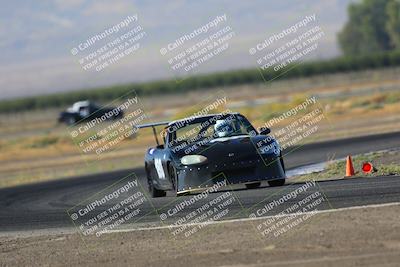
264,130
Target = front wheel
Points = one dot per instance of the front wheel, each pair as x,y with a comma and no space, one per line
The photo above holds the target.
253,185
277,182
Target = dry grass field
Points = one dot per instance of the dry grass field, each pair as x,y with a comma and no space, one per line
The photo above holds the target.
34,147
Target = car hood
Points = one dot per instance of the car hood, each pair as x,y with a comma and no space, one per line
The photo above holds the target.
235,148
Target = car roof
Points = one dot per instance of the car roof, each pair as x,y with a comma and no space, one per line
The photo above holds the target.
82,103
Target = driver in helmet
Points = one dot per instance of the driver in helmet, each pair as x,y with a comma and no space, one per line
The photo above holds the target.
223,128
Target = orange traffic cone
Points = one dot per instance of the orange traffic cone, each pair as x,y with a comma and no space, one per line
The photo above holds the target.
349,167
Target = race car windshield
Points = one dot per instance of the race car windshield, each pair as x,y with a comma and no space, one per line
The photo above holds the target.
211,128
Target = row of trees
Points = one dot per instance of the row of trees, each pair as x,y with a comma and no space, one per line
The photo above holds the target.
373,25
237,77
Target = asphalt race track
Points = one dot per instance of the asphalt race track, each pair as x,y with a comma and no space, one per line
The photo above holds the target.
45,205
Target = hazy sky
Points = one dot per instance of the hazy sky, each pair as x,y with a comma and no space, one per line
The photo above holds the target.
36,37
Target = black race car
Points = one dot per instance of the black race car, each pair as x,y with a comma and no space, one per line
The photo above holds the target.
199,152
86,110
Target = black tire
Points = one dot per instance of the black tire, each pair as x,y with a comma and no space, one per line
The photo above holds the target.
277,182
174,179
282,163
253,185
70,120
120,115
154,192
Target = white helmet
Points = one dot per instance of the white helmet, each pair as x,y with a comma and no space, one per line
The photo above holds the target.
223,128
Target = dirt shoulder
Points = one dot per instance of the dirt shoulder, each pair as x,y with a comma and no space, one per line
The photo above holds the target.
361,237
385,163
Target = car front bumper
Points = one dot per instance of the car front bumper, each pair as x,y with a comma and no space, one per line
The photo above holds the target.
197,177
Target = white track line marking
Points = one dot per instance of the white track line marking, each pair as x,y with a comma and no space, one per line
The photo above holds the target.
251,219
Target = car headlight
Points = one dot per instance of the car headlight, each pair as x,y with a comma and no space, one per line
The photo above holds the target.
271,148
193,159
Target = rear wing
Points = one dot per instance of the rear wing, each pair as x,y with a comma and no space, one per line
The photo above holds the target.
152,125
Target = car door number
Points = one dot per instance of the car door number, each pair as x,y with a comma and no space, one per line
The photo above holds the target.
159,168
